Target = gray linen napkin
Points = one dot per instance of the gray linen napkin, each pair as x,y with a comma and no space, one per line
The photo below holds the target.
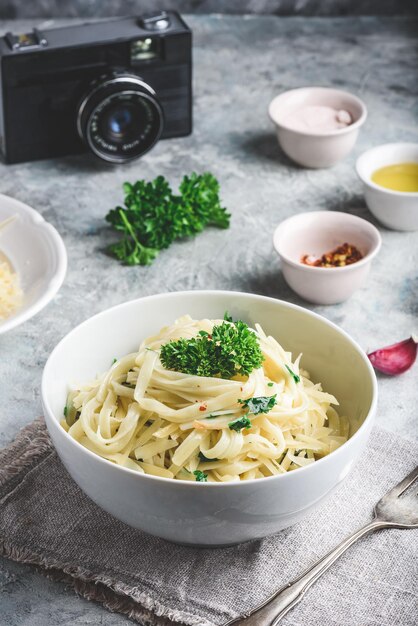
47,521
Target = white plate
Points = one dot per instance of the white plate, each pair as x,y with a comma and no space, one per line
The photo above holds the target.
36,252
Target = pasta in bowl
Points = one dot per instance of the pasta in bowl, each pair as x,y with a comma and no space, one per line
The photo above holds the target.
171,434
142,415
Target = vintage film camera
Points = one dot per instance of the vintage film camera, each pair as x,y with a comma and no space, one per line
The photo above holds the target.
113,87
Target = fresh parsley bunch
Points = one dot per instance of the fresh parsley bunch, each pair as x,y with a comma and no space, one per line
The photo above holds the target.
232,348
153,216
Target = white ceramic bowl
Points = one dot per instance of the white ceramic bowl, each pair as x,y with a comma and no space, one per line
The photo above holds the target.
210,514
316,233
36,252
395,209
310,149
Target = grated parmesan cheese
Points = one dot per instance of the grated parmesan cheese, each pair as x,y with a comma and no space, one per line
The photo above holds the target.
11,295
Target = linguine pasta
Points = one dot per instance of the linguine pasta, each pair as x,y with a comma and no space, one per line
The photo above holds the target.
174,425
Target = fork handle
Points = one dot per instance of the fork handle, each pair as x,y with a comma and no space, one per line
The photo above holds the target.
271,612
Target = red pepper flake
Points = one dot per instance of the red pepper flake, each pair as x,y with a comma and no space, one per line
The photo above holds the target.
347,254
203,407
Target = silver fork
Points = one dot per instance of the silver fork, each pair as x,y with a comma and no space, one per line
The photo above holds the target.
391,511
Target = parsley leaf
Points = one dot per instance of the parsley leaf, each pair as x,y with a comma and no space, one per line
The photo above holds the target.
153,216
240,423
231,349
129,250
201,477
70,413
200,203
261,404
295,377
270,384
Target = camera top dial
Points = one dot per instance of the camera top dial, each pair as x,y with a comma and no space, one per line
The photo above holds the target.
120,118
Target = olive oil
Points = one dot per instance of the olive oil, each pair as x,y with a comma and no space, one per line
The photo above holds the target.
399,177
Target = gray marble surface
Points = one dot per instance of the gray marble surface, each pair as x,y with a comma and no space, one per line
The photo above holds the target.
240,64
103,8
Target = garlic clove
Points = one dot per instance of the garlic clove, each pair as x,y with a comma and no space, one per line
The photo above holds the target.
395,359
344,117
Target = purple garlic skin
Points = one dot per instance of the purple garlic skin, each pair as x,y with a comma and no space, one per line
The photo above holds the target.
397,358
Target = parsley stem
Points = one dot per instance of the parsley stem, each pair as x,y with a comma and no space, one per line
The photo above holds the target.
129,228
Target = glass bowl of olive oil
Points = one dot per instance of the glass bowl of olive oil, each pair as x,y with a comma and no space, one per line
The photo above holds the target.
390,177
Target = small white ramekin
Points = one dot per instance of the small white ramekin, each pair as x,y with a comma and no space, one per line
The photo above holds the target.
310,149
316,233
397,210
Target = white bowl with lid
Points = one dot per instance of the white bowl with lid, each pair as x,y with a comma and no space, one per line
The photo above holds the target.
311,148
397,210
35,251
316,233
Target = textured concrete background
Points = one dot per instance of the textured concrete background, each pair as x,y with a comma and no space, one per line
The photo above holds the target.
240,64
104,8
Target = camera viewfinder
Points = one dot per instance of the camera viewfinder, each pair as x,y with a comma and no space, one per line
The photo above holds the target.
144,50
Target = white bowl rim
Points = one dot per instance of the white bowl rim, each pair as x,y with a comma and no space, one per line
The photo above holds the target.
214,485
364,224
368,181
329,133
56,279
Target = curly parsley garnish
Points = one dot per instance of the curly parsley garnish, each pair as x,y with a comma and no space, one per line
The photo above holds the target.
231,349
201,477
153,216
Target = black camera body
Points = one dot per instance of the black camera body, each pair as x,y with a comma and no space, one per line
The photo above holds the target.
114,87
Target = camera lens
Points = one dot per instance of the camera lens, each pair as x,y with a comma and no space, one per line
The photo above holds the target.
120,118
121,121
